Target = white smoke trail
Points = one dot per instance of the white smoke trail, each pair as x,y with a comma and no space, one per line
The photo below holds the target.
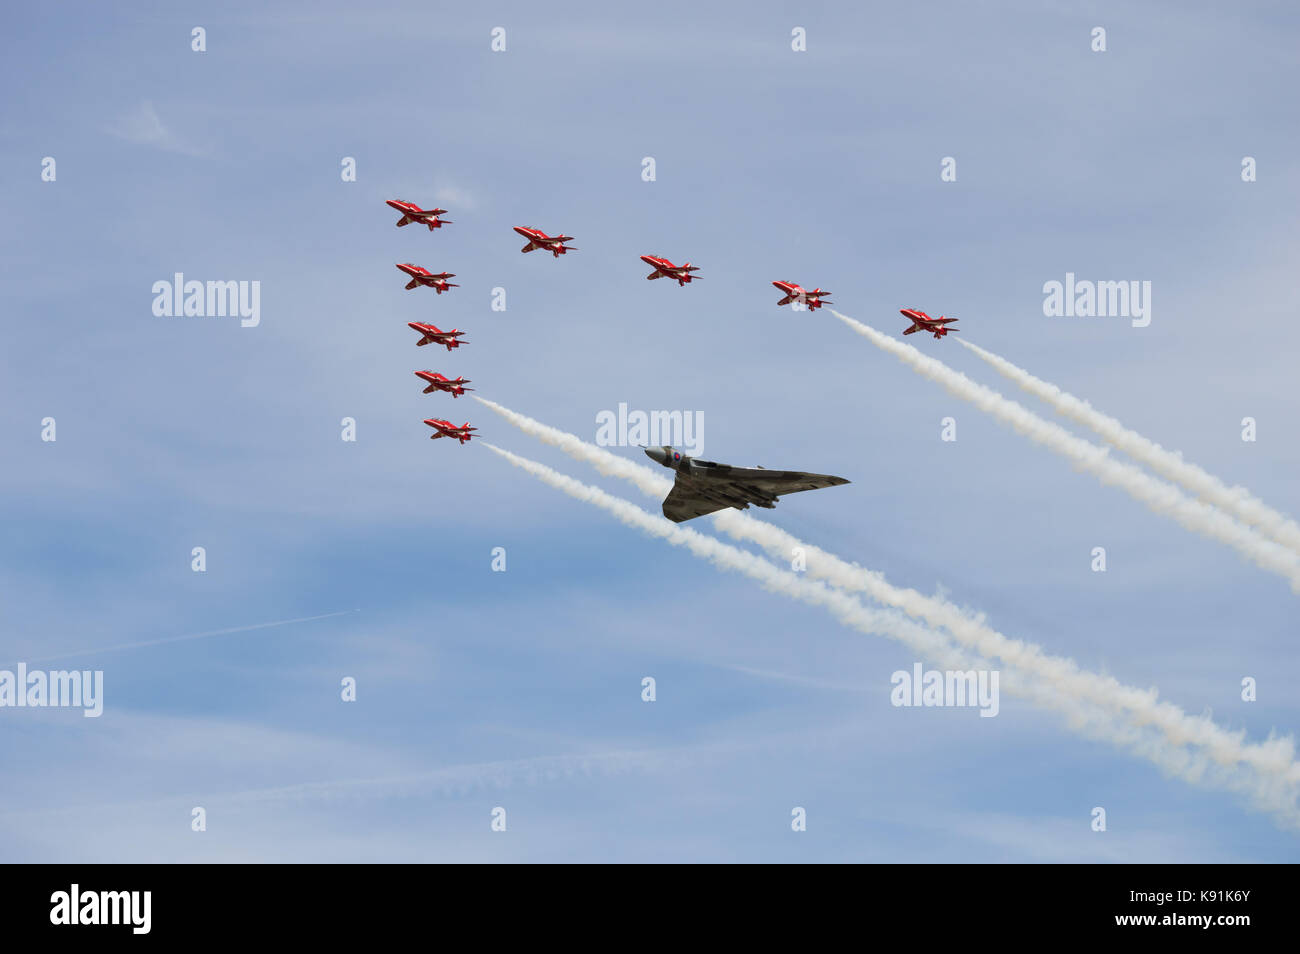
611,465
1158,495
918,638
1273,760
1267,794
1237,501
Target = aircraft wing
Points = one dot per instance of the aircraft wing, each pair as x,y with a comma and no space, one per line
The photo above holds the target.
686,503
778,482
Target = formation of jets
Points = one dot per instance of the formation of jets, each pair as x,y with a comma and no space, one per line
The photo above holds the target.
923,322
701,486
432,334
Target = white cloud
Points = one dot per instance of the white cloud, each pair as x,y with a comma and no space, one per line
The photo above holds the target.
144,127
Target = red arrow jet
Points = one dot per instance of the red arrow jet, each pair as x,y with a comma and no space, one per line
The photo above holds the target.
923,322
413,213
430,334
439,383
666,269
793,292
448,429
539,239
422,276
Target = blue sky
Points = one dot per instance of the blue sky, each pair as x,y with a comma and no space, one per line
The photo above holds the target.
522,689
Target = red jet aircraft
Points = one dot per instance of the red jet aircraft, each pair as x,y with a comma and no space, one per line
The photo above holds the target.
422,276
923,322
413,213
793,292
448,429
439,383
539,239
430,334
666,269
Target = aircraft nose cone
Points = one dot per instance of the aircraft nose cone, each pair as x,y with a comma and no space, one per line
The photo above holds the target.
657,454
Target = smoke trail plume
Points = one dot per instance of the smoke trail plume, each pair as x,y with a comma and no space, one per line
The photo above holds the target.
1237,501
1273,760
725,556
1158,495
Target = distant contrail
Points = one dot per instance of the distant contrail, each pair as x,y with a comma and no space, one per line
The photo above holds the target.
1237,501
1274,759
1270,794
1158,495
122,647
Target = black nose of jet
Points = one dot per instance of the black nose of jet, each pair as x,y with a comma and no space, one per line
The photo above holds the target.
657,454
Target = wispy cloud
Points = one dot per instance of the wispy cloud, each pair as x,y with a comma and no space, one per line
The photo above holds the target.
455,197
122,647
144,127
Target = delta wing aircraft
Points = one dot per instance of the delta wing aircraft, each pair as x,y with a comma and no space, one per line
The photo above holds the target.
705,487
